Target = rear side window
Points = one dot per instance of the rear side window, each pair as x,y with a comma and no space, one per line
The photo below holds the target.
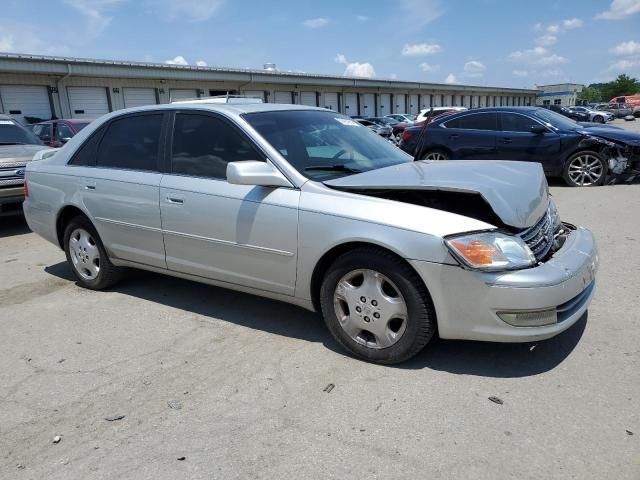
478,121
131,143
203,145
516,123
85,156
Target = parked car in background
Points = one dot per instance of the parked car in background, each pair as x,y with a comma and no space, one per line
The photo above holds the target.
402,117
55,133
595,116
619,110
632,101
311,209
18,145
437,111
396,127
581,155
578,116
381,129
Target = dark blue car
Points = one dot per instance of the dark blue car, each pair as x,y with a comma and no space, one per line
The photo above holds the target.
582,154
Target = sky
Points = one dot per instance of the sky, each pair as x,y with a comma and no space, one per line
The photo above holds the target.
513,43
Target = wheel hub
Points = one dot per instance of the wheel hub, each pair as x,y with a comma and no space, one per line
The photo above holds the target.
370,308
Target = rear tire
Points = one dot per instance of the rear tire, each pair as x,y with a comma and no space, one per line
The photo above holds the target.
436,155
598,119
87,256
395,320
585,169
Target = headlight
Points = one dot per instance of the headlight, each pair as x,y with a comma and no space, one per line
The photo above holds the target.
555,216
491,251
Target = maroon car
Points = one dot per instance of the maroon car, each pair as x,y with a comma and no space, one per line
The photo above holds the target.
55,133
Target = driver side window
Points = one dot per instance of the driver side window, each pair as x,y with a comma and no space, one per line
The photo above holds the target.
512,122
203,145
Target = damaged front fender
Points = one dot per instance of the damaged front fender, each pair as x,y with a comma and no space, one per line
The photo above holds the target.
623,160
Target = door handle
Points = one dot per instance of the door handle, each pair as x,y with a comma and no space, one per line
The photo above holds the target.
507,140
90,186
454,136
175,199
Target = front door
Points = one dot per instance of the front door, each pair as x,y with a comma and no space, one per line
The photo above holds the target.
517,142
239,234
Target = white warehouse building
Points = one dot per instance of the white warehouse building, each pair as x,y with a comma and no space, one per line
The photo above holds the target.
40,87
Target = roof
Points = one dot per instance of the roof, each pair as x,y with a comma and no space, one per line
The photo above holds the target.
50,65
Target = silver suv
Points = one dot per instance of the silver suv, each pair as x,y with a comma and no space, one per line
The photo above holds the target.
306,206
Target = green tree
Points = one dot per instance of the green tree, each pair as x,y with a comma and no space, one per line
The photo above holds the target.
623,85
590,94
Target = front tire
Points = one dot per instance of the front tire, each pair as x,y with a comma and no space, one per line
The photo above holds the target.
376,306
87,256
585,169
598,119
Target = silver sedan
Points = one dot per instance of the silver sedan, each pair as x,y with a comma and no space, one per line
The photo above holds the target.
307,206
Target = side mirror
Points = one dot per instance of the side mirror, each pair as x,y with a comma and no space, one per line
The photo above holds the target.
537,129
65,139
251,172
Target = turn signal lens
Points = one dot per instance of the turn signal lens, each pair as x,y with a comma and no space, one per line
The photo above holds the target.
25,188
491,251
476,251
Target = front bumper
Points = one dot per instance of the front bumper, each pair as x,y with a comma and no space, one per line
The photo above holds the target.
467,302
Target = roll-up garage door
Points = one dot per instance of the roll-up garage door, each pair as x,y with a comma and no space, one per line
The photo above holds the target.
88,102
413,104
283,97
351,104
308,98
331,101
139,97
368,105
399,100
254,93
385,104
25,101
177,94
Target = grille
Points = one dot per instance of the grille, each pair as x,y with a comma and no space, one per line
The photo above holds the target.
11,175
540,237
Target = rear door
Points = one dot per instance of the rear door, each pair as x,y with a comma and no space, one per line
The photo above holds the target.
472,136
516,142
119,186
241,234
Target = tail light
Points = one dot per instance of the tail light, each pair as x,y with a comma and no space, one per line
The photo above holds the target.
26,189
406,135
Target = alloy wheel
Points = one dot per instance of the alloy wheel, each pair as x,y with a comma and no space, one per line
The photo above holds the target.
585,170
370,308
84,253
435,156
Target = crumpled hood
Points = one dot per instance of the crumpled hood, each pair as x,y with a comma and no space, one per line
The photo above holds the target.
616,134
516,191
19,153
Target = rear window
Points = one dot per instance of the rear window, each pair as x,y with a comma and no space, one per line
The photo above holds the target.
478,121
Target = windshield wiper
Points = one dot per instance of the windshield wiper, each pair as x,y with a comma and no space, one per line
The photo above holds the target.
12,143
334,168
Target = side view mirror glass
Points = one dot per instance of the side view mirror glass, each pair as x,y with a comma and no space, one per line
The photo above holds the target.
252,172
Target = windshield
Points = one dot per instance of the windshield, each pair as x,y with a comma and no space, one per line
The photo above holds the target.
325,145
12,134
556,120
386,121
